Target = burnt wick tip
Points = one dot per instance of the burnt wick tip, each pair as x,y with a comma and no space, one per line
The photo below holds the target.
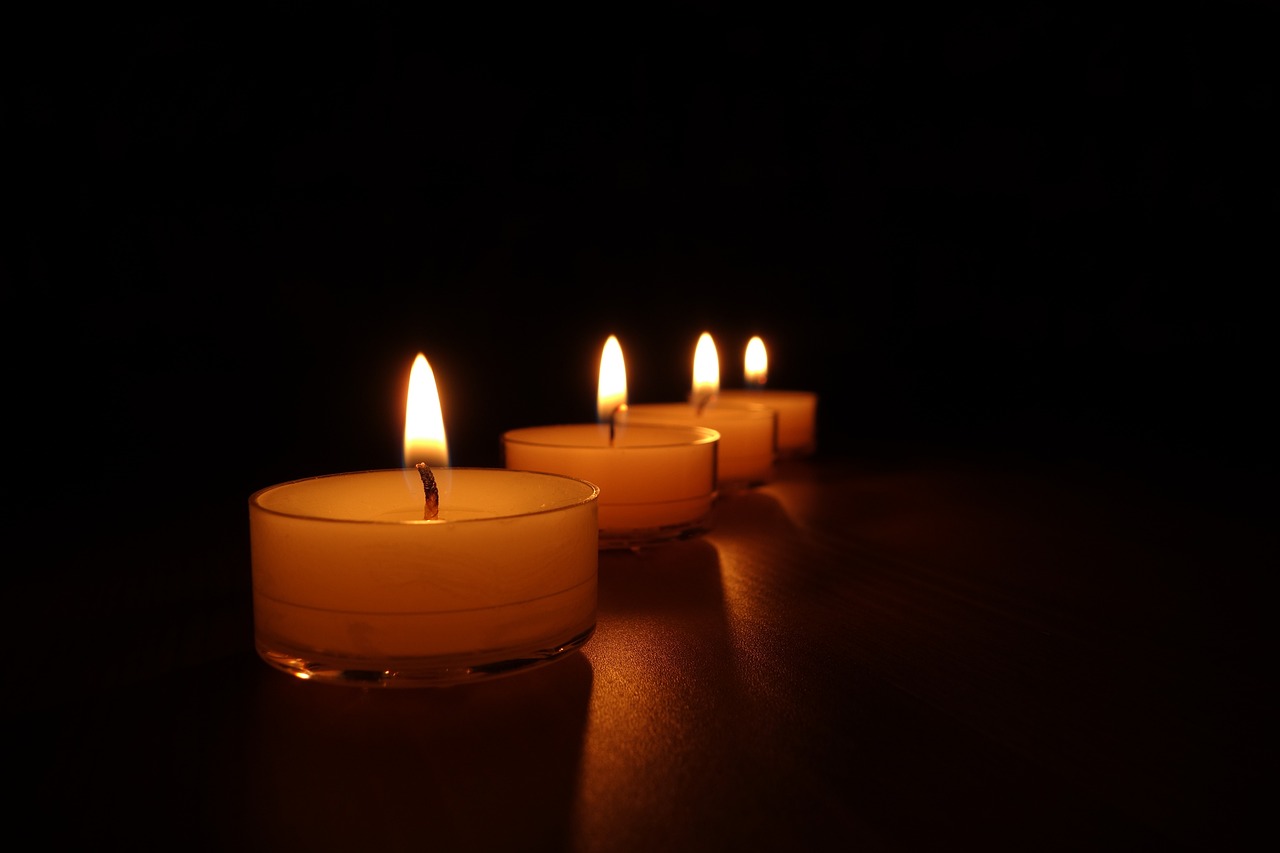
432,507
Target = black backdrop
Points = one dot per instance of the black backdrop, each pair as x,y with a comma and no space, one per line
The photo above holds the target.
1043,232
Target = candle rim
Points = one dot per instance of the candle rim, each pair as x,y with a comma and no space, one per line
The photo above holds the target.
700,435
739,410
592,495
748,393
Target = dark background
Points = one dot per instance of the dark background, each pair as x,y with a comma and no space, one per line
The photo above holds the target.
1042,233
1042,239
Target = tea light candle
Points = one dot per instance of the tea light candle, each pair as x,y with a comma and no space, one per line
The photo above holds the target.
353,585
657,483
748,433
797,410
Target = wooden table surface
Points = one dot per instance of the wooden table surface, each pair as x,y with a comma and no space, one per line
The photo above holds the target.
911,654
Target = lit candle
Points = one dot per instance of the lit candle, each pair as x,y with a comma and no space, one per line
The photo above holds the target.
797,410
359,579
748,432
657,483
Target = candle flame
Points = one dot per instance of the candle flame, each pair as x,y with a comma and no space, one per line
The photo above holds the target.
424,439
706,370
611,393
756,363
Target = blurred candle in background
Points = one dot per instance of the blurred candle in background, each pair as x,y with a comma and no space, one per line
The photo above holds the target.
797,410
706,371
755,364
748,431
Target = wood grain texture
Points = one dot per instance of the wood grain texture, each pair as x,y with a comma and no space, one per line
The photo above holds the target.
941,654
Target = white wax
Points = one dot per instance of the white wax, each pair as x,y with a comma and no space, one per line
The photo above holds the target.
651,478
748,436
346,571
797,413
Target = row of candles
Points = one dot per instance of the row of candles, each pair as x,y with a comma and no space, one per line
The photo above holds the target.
430,575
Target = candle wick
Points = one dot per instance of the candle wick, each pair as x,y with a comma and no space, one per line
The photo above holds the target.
702,402
613,420
432,507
